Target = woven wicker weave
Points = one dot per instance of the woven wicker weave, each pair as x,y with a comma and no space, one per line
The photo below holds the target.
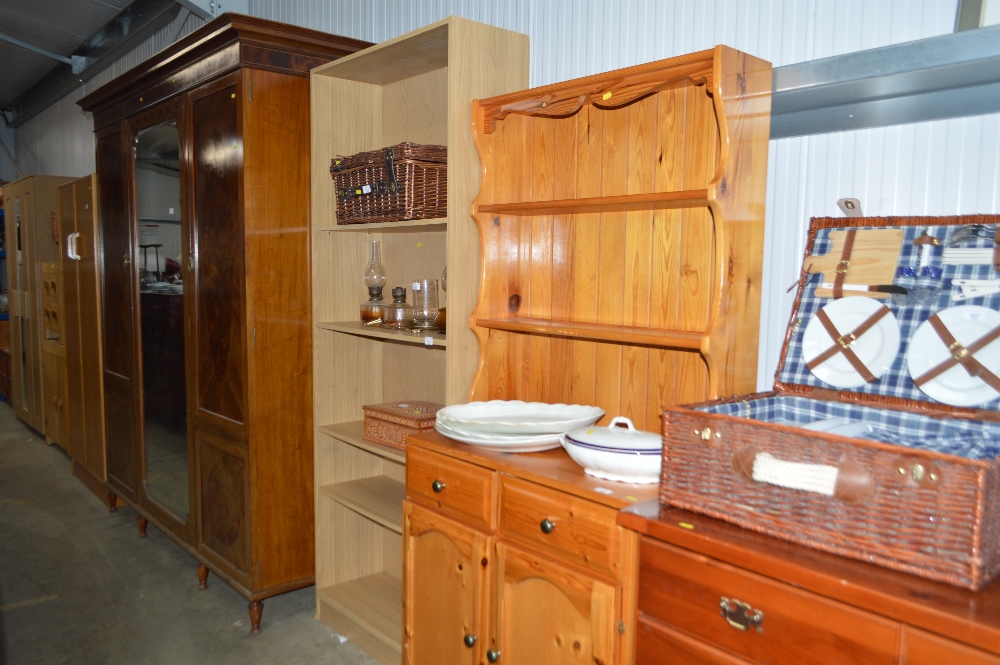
422,174
950,534
927,513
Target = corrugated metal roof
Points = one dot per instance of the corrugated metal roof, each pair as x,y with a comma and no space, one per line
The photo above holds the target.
60,26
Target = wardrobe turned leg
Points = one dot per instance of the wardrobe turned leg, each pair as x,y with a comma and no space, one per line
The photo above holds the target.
143,523
112,502
256,611
202,576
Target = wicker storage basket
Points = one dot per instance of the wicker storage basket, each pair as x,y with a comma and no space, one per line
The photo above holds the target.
917,491
402,182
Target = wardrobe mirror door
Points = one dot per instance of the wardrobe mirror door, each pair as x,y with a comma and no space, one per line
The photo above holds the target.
161,301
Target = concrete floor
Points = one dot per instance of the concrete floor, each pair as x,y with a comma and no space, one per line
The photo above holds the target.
77,584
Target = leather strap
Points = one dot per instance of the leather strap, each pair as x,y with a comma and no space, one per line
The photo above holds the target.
840,274
844,342
961,355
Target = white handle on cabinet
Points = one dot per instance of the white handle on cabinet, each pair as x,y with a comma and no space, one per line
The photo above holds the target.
71,246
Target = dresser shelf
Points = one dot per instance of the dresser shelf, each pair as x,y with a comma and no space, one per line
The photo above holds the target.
378,498
376,332
624,203
672,339
370,604
353,433
406,226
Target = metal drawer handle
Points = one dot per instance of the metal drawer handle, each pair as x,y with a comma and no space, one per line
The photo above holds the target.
493,655
470,640
740,615
437,486
548,526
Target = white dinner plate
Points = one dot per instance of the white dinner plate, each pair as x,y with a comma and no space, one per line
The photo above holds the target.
502,443
517,417
877,348
967,323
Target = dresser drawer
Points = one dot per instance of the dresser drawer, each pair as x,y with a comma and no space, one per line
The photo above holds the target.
568,527
458,488
687,592
656,644
920,648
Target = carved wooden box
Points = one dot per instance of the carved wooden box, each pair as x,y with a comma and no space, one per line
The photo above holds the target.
389,423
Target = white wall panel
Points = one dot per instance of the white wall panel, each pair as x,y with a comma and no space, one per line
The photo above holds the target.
942,167
60,139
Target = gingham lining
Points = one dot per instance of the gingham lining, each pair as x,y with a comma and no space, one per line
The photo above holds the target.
896,381
965,438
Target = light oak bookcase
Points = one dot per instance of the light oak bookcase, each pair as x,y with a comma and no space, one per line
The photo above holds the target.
419,88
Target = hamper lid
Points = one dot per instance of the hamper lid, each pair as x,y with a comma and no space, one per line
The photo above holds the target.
961,385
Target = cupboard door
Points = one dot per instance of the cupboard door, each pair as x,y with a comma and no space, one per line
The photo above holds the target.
54,406
217,159
88,297
31,237
223,488
119,315
75,417
445,590
920,648
546,613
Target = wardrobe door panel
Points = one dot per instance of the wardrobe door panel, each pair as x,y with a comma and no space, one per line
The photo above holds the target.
75,410
217,155
223,491
119,339
89,342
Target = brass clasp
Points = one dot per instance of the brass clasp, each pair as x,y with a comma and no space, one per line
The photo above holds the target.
845,344
842,270
960,353
740,615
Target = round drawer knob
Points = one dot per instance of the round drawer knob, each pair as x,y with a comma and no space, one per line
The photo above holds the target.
437,486
547,526
493,655
469,640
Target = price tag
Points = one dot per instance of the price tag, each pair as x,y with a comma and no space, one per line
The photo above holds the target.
428,341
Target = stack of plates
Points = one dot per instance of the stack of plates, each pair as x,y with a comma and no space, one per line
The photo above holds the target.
164,287
513,426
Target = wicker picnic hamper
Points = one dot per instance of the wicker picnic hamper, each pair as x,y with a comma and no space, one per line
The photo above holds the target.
402,182
915,485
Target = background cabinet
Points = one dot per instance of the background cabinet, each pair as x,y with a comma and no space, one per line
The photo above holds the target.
222,116
622,223
30,210
417,88
81,270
